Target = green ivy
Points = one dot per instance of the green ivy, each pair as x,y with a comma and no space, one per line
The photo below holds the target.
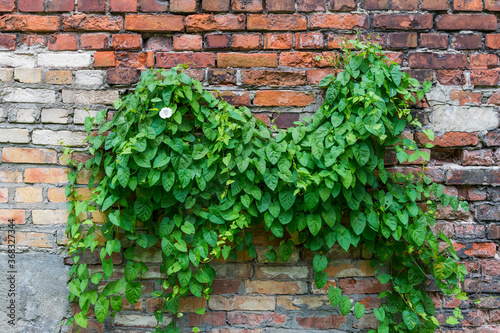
180,169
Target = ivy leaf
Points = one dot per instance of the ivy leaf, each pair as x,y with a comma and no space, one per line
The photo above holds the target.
344,238
409,320
123,176
361,153
143,209
142,161
334,295
311,199
320,279
287,199
319,263
116,303
379,314
286,249
358,222
271,178
184,277
168,180
210,237
314,223
417,234
131,270
184,177
101,308
195,288
345,305
273,153
133,292
359,310
81,319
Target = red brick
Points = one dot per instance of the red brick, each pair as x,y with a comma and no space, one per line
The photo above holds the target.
208,22
450,77
338,21
281,41
8,42
466,97
494,231
256,319
272,78
468,5
210,318
280,5
474,176
339,5
221,76
104,59
313,5
483,61
60,5
477,157
396,57
247,60
248,6
376,4
12,214
484,77
29,23
276,22
264,118
314,76
451,139
309,40
493,41
195,60
282,98
435,4
63,43
7,5
361,286
31,5
10,175
402,40
236,98
466,22
123,76
434,41
405,4
34,40
153,6
437,60
29,155
275,287
492,5
91,22
298,59
467,41
92,5
154,22
494,99
123,5
327,322
403,21
247,42
183,6
94,41
219,41
215,5
158,43
131,59
150,59
187,43
126,42
45,175
482,250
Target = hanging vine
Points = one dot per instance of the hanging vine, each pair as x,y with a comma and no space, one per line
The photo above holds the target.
178,168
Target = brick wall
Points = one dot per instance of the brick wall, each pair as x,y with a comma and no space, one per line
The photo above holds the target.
59,57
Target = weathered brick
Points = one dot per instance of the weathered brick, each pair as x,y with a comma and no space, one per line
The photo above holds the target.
153,6
4,195
9,174
450,77
60,5
297,59
209,318
275,287
106,97
17,215
122,76
376,4
247,6
28,194
58,77
45,175
255,319
31,23
215,5
466,97
209,22
104,59
29,155
473,176
163,43
273,78
466,22
92,5
218,41
197,60
468,5
247,60
14,135
247,42
314,76
401,40
221,76
435,4
405,4
437,60
123,5
63,43
33,239
467,41
7,5
494,231
25,95
338,21
434,41
361,286
321,322
335,40
77,22
7,42
49,216
23,115
31,5
278,41
336,5
276,22
5,75
187,43
249,303
481,250
403,21
280,5
28,75
183,6
236,98
282,98
309,40
95,41
55,116
484,77
154,23
350,268
17,60
64,60
483,61
126,42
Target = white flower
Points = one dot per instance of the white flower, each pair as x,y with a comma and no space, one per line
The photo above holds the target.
166,113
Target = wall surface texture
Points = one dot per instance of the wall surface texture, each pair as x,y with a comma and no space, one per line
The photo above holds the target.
61,57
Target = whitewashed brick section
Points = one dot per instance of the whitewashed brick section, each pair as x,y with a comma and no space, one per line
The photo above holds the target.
69,138
106,97
55,116
5,74
28,75
14,135
446,118
49,216
17,60
64,60
25,95
135,320
3,114
80,115
90,78
23,115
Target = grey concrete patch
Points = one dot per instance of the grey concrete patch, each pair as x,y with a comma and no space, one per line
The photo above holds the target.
463,119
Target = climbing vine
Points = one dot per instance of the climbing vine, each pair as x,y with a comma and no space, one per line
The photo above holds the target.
178,168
